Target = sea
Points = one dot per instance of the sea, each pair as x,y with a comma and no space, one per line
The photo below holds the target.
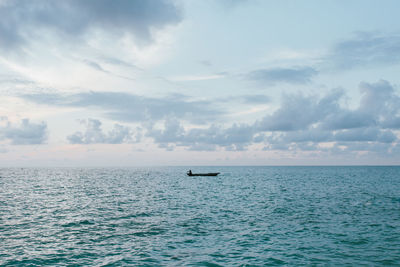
159,216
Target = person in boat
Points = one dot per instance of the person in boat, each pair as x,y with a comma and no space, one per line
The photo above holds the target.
189,172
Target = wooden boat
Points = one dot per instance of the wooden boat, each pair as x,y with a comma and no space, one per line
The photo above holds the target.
189,173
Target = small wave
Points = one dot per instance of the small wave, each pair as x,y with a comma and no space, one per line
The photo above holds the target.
150,232
208,264
78,223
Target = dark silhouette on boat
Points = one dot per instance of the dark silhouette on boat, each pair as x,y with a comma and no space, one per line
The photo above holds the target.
189,173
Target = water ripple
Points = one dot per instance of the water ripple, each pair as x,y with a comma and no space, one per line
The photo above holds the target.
247,216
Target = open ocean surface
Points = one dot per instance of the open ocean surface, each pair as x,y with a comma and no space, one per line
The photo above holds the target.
252,216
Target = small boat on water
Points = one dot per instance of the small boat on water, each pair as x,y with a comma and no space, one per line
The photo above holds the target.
189,173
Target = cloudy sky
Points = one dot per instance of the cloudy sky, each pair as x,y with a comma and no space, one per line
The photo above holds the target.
223,82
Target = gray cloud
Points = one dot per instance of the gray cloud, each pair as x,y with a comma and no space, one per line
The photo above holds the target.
255,99
382,103
133,108
26,133
365,134
365,49
232,3
298,112
118,62
95,135
22,20
305,121
206,63
301,123
14,80
311,135
235,137
347,119
379,107
95,65
297,140
295,75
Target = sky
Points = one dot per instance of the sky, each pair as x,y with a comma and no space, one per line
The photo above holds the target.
187,82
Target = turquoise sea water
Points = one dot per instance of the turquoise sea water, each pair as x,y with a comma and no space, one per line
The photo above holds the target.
253,216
